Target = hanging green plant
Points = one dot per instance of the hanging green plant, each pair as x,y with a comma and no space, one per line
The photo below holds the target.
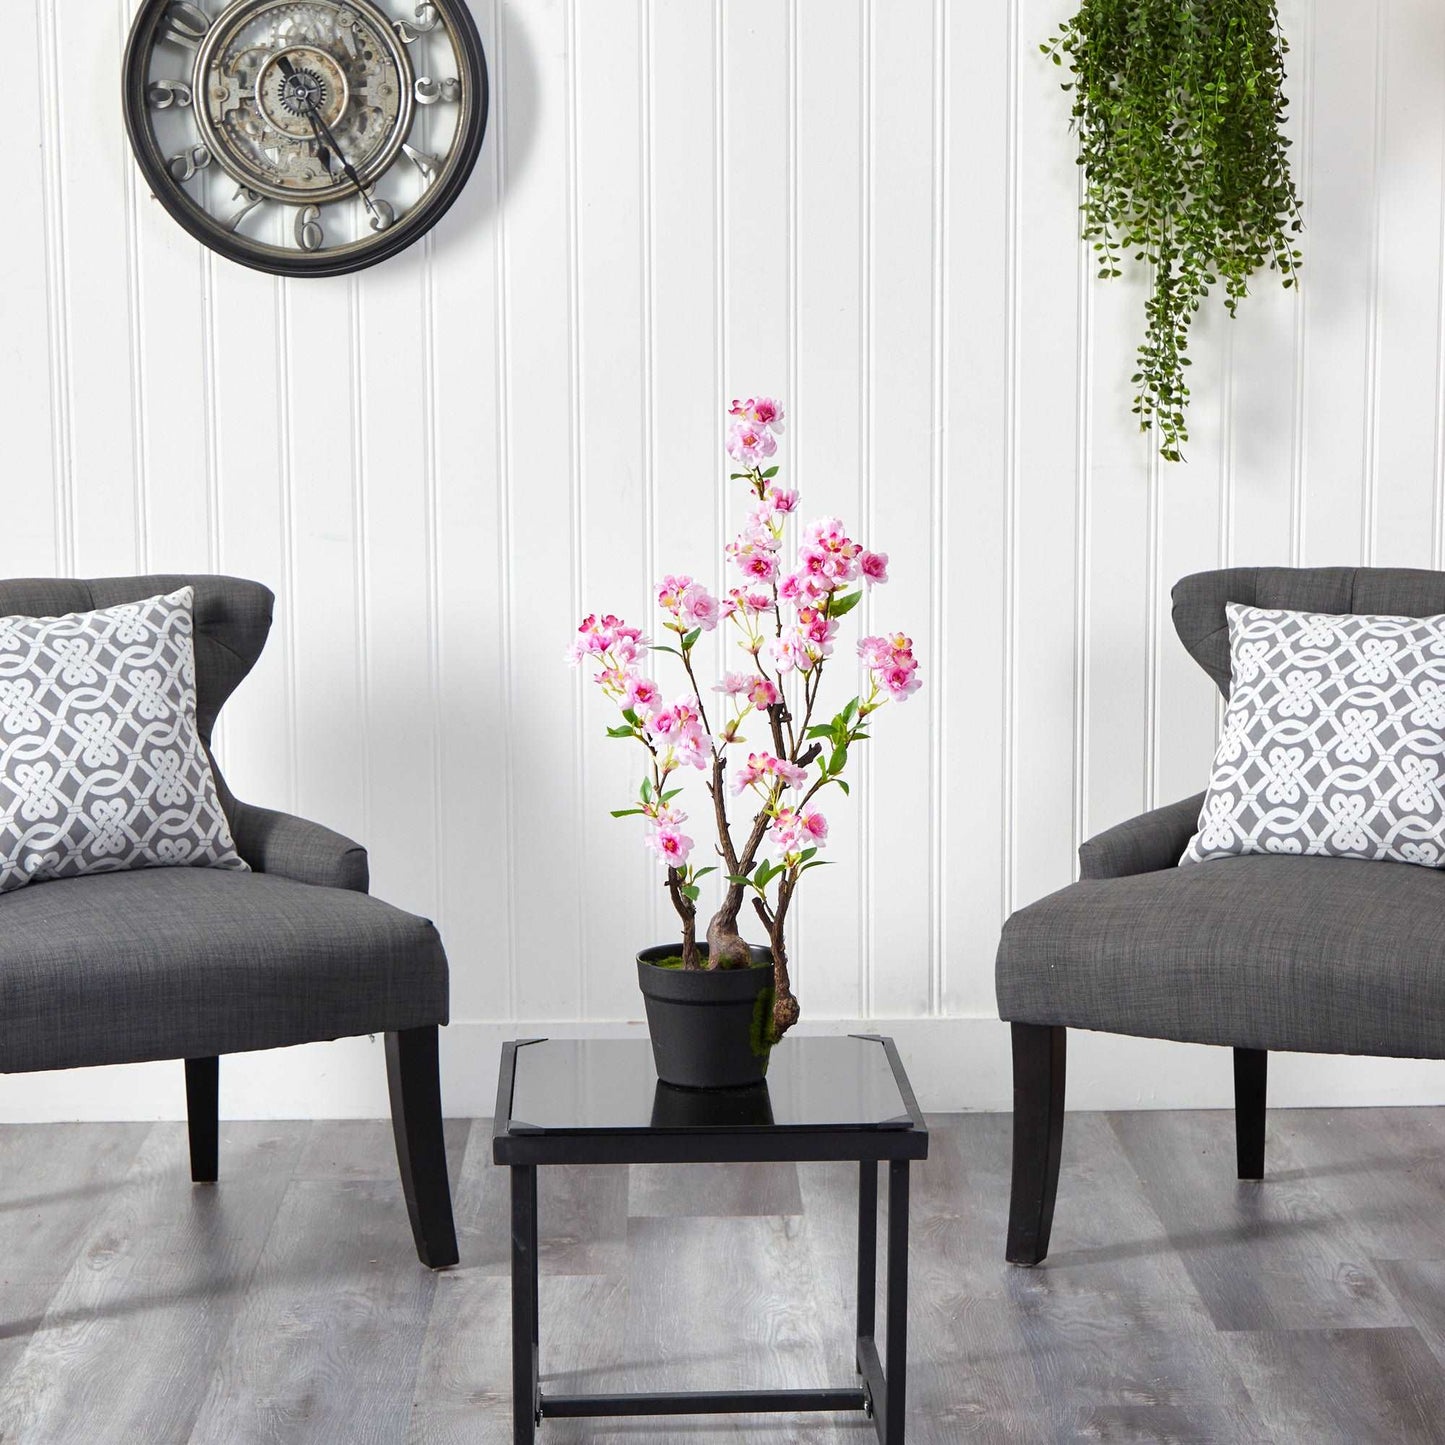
1179,107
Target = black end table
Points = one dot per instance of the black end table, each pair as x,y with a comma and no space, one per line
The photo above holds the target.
599,1101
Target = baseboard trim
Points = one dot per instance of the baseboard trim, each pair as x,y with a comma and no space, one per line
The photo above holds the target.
955,1064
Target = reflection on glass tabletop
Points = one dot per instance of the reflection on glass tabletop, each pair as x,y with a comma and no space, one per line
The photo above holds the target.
610,1085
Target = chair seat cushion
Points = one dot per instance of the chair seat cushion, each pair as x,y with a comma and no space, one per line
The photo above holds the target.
189,962
1319,955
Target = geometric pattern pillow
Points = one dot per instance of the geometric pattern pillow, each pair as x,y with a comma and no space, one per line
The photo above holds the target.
101,765
1333,741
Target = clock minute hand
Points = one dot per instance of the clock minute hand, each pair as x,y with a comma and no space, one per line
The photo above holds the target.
325,139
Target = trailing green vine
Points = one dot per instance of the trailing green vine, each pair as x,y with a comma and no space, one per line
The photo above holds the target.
1179,107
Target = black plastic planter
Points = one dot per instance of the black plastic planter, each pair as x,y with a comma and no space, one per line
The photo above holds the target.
711,1028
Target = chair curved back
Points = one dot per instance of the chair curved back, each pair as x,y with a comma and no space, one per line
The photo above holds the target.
1200,600
232,618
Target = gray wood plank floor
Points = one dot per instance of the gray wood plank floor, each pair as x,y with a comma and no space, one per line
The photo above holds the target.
286,1304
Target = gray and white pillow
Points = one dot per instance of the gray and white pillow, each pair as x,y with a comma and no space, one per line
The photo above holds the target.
1333,741
101,763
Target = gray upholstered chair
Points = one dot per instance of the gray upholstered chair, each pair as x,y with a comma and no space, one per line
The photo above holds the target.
193,963
1311,955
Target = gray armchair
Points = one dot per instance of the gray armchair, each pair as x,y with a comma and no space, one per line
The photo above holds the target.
193,963
1311,955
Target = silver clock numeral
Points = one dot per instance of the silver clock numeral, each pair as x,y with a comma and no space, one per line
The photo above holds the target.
249,201
427,18
429,91
382,215
163,94
429,166
186,163
309,235
184,24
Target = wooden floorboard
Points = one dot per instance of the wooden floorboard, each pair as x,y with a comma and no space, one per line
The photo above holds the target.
286,1304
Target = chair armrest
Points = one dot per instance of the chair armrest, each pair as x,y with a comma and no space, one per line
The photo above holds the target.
298,849
1145,844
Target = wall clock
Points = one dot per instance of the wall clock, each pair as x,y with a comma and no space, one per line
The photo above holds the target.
305,137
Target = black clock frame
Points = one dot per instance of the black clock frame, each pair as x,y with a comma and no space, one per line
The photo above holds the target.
212,234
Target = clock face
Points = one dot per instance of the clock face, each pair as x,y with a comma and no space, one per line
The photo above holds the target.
305,137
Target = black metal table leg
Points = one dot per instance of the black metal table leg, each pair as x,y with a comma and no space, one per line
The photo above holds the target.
891,1432
524,1304
867,1251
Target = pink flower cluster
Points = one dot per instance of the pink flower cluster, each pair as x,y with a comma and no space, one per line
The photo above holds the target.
665,837
794,830
892,665
758,691
677,732
751,438
690,604
765,769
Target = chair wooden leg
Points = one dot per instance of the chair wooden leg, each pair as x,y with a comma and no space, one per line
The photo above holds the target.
203,1085
1251,1070
1038,1051
421,1151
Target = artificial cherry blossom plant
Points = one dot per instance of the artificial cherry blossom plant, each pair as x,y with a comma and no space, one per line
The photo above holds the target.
786,620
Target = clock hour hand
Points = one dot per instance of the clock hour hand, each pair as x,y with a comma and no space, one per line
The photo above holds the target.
326,145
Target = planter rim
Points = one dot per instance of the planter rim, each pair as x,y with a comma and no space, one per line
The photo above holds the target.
702,986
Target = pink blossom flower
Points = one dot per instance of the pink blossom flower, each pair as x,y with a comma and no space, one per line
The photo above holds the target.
693,747
733,683
761,409
670,591
699,607
874,567
815,825
639,692
750,443
784,499
764,768
757,563
875,652
787,652
792,775
762,693
670,845
900,681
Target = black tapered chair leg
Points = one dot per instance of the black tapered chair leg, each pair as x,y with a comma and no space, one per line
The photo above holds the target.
203,1091
1251,1072
1039,1051
421,1151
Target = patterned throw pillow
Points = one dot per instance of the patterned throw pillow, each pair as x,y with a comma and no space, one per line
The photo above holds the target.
1333,740
101,765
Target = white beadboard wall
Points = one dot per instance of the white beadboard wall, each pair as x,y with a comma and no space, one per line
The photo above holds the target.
864,206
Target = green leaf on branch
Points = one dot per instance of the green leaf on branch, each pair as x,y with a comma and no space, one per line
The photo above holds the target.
820,730
691,637
841,606
842,785
627,812
668,796
847,713
663,647
646,790
838,761
690,891
622,732
703,872
816,863
632,717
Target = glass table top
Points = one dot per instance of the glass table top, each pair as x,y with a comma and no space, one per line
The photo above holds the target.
610,1085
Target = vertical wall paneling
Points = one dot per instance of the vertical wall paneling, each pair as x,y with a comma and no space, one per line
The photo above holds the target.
93,168
472,573
30,355
866,207
619,876
970,646
1339,293
1046,509
900,520
1267,397
1408,158
546,699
